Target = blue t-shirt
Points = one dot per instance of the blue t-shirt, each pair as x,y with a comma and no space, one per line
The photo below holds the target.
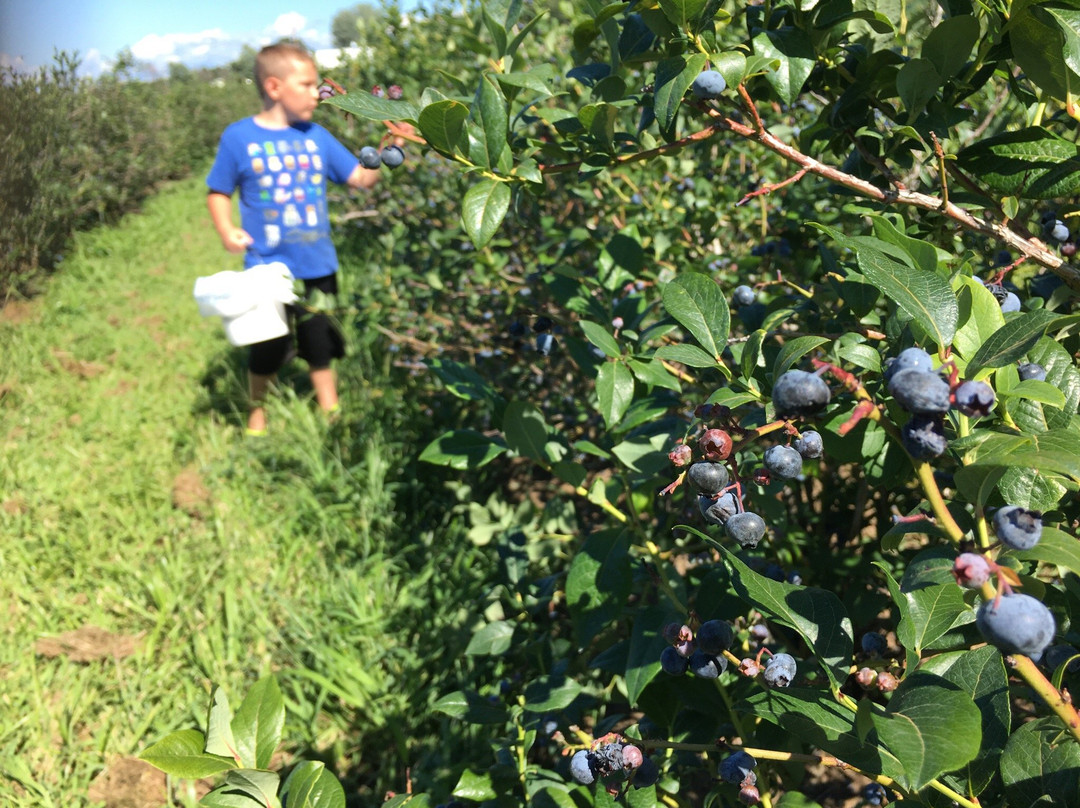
282,174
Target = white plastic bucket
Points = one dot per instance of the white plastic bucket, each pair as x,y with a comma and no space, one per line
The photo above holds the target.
251,304
265,321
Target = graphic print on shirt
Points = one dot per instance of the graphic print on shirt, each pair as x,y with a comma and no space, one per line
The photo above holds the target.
290,181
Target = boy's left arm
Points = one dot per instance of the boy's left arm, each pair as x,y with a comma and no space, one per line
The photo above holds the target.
363,178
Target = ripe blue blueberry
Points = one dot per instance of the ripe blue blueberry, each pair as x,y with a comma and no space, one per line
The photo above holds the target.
647,774
1016,624
908,359
1029,370
780,670
743,296
392,156
369,157
924,437
795,578
1010,303
714,637
581,767
1018,527
809,445
746,528
921,392
974,399
707,666
799,393
737,768
873,794
718,511
708,84
1060,231
873,643
671,661
783,462
707,477
544,343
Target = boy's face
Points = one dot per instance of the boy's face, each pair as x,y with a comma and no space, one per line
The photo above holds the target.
297,91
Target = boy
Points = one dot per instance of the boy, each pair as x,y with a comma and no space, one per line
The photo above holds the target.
281,161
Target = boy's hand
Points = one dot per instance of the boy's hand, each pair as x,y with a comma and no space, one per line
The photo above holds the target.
236,240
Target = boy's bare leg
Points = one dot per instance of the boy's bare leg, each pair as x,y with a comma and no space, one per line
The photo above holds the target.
324,382
258,386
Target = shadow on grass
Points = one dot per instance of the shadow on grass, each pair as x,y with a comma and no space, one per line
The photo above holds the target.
224,384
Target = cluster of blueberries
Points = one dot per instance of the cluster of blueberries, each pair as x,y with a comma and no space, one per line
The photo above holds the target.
542,327
613,761
703,654
1054,229
390,156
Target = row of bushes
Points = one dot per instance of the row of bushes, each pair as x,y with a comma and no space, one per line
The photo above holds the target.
75,152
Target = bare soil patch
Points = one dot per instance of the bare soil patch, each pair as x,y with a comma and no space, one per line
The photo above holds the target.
82,368
16,312
89,644
190,494
129,783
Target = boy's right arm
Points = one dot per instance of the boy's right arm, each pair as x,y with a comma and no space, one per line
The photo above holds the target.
235,239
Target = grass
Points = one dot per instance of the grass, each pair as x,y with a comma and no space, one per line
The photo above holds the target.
130,501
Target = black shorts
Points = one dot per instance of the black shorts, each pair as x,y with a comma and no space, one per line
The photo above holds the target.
318,340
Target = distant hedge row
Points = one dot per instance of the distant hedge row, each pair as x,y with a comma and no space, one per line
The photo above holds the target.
77,152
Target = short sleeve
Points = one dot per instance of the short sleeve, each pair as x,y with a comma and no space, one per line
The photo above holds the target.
225,173
340,162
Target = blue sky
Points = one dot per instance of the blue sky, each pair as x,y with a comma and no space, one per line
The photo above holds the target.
196,32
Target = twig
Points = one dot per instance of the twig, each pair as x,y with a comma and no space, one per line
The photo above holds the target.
768,189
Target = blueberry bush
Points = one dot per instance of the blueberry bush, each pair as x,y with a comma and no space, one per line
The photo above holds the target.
755,325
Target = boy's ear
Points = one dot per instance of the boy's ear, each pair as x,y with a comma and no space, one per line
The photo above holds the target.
271,86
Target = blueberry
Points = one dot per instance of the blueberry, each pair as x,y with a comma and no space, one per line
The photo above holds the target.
671,661
608,759
581,767
997,290
543,323
714,637
795,578
632,757
809,445
873,643
799,393
1018,528
1010,303
707,477
1060,231
706,666
746,528
718,511
908,359
369,157
715,444
635,199
392,156
743,296
774,571
1058,655
708,84
737,768
783,462
647,773
971,570
1016,624
544,343
1029,370
873,793
780,670
974,399
921,392
924,437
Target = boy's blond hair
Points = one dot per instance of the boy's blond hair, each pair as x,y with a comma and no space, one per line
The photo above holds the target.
276,60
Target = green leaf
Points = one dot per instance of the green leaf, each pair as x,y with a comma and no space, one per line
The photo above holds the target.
644,454
1054,547
673,78
949,45
1031,163
1066,17
793,351
475,787
180,754
1010,342
311,785
244,788
470,707
1038,46
372,108
1040,766
981,675
816,614
497,31
225,797
462,381
732,66
689,355
926,613
489,114
615,391
525,430
1031,489
654,374
601,338
258,723
1041,392
931,726
443,126
917,82
795,52
494,639
483,209
926,297
537,79
979,316
1062,373
923,254
751,358
646,643
550,693
598,583
219,734
683,14
696,302
462,449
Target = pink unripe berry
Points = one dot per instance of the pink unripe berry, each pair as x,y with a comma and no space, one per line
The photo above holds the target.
749,667
681,455
715,444
971,570
395,92
749,795
617,322
886,682
632,757
866,676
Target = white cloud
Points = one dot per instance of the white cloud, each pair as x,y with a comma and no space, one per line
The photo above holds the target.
93,64
154,47
291,23
16,63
